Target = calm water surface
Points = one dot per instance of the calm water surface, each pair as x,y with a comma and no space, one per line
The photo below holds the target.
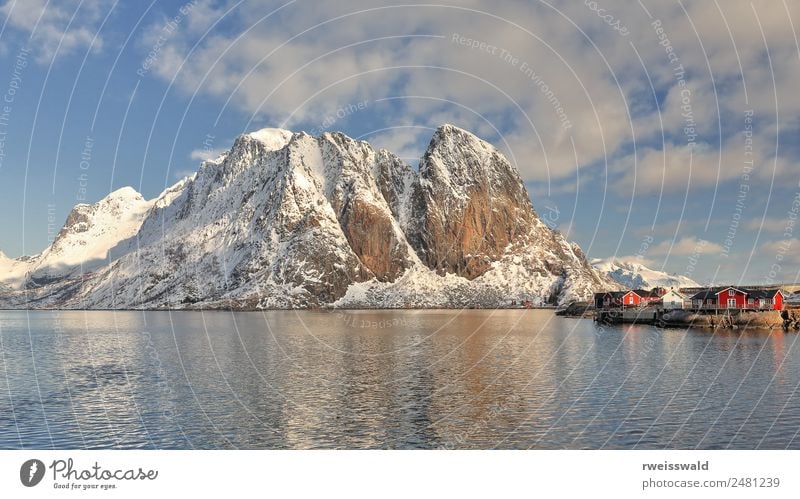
388,379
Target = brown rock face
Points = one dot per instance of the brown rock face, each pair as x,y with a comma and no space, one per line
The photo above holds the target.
363,213
372,238
469,205
77,221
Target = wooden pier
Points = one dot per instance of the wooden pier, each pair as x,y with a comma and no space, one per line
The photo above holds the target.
638,315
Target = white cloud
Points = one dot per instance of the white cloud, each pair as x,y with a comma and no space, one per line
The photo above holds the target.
300,63
179,174
685,246
676,168
786,248
205,153
62,27
407,142
768,225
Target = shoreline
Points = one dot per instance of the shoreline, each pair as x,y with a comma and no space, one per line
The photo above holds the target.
309,309
787,319
755,319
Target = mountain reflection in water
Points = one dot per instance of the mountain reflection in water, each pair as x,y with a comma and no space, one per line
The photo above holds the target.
388,379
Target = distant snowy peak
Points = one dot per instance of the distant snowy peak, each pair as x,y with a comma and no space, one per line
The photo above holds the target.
13,272
89,233
634,275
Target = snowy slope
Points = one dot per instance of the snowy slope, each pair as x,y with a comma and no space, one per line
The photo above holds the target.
13,272
287,220
483,245
89,234
633,275
252,230
83,245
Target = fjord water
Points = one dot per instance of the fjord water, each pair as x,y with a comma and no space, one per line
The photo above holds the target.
388,379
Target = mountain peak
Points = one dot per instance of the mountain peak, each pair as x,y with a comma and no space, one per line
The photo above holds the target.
636,275
470,205
450,128
448,135
89,233
459,161
273,139
124,192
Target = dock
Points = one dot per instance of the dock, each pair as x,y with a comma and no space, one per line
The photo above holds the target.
643,315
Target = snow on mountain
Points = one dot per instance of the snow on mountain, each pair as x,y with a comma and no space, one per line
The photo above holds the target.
13,272
273,139
83,244
633,275
88,235
482,244
253,231
287,220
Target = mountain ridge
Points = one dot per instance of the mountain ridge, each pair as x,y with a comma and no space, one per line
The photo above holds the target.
635,275
288,220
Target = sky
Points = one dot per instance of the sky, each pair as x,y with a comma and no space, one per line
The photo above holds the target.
662,132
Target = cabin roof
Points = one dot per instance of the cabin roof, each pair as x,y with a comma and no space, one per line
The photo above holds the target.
706,293
753,293
725,288
764,293
614,294
645,294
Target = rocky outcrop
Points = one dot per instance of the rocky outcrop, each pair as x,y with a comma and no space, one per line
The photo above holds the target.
469,205
395,180
769,319
362,208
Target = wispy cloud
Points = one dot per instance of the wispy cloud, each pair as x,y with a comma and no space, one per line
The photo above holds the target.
179,174
769,225
205,153
782,250
519,70
61,27
685,246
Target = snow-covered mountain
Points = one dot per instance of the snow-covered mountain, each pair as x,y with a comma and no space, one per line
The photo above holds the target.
13,272
633,275
89,234
84,244
287,220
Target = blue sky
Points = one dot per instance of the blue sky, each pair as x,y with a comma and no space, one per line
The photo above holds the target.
665,132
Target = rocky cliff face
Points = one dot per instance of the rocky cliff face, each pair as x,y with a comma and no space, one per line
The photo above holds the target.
469,205
362,209
287,220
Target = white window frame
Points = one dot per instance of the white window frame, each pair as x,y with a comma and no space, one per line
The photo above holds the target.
731,302
731,292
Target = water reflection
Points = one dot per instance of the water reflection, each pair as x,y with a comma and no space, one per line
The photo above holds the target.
388,379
